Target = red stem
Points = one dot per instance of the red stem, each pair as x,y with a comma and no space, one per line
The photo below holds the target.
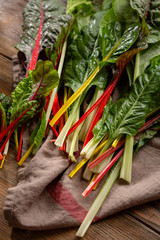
13,124
20,144
105,154
104,96
148,124
35,52
102,173
6,140
54,130
120,144
100,109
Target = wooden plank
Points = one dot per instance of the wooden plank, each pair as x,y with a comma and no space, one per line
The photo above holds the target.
5,230
5,75
148,215
10,25
120,226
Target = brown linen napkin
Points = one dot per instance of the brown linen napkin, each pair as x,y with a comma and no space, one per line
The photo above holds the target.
46,198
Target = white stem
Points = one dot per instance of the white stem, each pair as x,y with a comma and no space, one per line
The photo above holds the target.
126,170
6,148
60,140
103,164
99,200
60,67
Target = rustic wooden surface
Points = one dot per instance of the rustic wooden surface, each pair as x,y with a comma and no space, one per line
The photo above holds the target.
142,222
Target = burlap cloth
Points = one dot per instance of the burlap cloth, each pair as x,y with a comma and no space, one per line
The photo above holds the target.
46,198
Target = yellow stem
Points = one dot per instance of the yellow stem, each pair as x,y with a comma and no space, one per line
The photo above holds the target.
4,156
80,164
80,90
116,141
26,155
94,176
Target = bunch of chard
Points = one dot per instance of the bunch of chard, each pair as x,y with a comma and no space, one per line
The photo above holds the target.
125,46
106,48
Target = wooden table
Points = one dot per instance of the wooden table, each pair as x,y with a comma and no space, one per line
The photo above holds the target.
142,222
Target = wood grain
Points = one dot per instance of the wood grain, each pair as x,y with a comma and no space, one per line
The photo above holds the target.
142,222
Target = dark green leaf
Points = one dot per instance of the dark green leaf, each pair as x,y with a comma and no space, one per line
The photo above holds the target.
153,21
128,114
140,6
82,57
54,20
142,138
44,79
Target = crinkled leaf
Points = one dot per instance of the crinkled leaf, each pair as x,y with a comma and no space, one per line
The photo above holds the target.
146,55
74,6
131,113
140,6
54,40
44,79
123,11
33,105
21,94
39,131
142,138
5,103
82,56
153,21
49,17
106,5
128,114
115,33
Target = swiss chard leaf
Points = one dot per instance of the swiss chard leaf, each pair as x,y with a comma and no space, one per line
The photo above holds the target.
82,57
74,6
115,32
21,94
5,103
142,138
43,22
140,6
128,114
123,11
44,79
153,21
33,107
146,55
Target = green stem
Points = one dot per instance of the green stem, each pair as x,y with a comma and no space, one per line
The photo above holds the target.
60,140
99,200
87,122
126,169
16,138
136,69
60,67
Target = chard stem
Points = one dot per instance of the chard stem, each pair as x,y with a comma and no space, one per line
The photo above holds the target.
60,67
16,138
136,69
80,90
126,169
76,169
99,200
60,140
26,155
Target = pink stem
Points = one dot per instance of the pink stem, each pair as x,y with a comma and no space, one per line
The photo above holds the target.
102,173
